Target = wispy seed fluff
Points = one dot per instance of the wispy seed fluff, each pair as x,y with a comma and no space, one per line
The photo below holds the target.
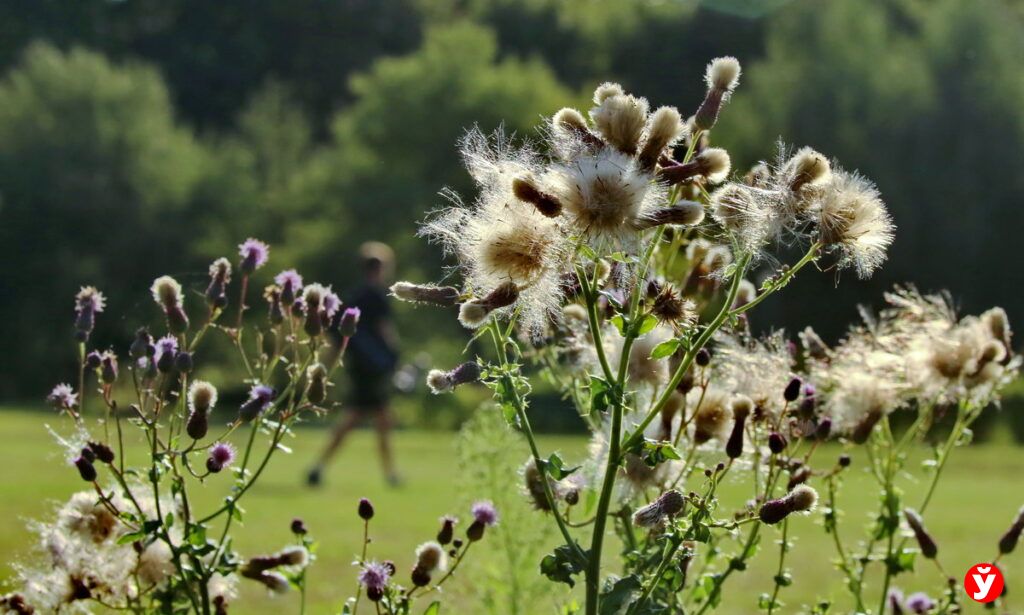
501,239
854,222
743,211
606,196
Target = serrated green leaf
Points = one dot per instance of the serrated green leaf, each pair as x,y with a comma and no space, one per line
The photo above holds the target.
666,348
647,324
620,323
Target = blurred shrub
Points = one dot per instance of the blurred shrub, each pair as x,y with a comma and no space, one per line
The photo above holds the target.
94,179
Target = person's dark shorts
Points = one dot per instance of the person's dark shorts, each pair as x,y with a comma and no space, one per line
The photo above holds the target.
369,391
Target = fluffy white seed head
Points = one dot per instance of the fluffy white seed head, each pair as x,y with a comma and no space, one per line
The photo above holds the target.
741,210
723,74
604,195
854,221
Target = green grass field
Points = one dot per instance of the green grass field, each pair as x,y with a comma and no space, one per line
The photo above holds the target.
972,508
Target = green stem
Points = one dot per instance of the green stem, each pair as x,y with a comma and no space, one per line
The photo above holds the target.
701,341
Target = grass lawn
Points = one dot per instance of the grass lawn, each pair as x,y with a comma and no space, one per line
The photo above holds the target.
978,498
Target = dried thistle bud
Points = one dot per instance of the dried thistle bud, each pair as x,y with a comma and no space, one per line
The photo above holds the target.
824,429
648,516
741,407
142,345
85,469
183,362
444,296
664,128
798,477
526,191
571,122
447,531
792,390
712,164
683,213
445,382
365,509
316,387
108,367
776,442
197,425
619,118
102,452
703,357
845,461
722,76
220,275
93,360
177,320
473,313
806,167
800,499
430,556
419,577
924,540
672,502
1008,542
298,527
669,307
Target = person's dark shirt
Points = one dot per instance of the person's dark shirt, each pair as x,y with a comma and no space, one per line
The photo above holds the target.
371,350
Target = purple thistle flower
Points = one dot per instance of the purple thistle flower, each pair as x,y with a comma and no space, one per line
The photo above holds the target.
330,303
63,397
485,513
349,320
374,576
260,396
289,277
88,298
254,254
166,349
221,456
919,603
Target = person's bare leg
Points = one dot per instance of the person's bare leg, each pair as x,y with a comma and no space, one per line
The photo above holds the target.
384,424
338,433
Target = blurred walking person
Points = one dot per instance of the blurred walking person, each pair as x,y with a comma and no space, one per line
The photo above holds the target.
370,362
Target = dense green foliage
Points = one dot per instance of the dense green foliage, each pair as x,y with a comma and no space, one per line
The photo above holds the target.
131,132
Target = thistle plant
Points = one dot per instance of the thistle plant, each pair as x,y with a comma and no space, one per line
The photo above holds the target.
613,258
135,539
